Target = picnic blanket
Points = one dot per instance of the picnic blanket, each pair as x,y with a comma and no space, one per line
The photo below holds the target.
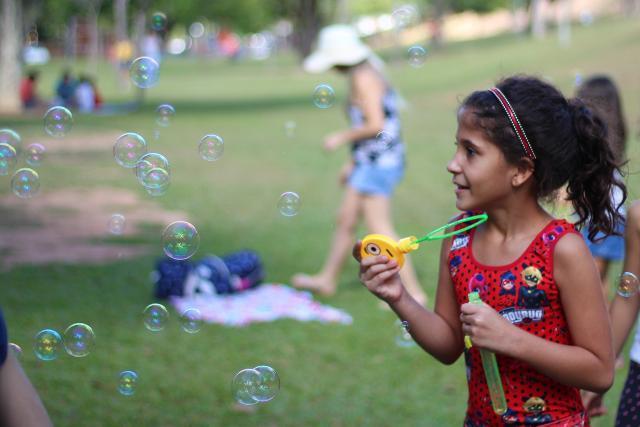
265,303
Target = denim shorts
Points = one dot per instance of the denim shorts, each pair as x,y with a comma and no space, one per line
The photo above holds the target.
372,179
610,248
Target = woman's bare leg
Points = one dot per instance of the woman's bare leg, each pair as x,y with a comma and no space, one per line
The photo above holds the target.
326,281
377,215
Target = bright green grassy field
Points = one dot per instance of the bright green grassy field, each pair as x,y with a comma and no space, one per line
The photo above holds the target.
331,375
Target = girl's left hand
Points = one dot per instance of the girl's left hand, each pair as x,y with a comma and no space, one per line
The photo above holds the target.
485,326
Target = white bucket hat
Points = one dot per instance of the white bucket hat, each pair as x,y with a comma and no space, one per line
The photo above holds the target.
337,45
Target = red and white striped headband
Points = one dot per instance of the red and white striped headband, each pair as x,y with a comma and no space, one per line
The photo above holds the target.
517,126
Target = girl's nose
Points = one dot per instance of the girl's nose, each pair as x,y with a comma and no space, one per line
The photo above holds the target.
453,166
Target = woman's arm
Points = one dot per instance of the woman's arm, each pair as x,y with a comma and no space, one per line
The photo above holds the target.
438,332
588,363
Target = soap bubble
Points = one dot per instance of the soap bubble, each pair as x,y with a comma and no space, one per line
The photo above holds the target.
158,21
417,56
151,161
156,179
8,136
627,284
180,240
290,128
244,386
403,337
211,147
25,183
116,224
289,203
47,344
128,149
404,16
58,121
8,158
79,339
191,320
164,114
144,72
34,154
268,384
127,381
155,317
323,96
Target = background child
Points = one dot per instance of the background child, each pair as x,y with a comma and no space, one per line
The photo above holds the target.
602,96
516,144
377,163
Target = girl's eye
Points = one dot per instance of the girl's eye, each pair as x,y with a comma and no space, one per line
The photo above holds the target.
470,151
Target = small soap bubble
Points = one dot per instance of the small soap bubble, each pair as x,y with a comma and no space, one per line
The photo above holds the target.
151,161
290,128
25,183
16,349
47,344
191,320
211,147
8,158
116,224
8,136
58,121
196,30
127,381
268,384
417,56
180,240
158,21
155,317
244,386
79,340
289,203
34,154
128,149
144,72
156,179
403,337
164,114
323,96
628,284
157,192
404,16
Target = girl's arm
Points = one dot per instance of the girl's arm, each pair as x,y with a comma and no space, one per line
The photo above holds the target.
437,332
624,311
369,89
588,363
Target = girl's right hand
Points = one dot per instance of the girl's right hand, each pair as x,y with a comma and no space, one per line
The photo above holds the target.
380,275
345,173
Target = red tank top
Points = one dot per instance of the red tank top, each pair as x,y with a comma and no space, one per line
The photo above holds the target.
525,293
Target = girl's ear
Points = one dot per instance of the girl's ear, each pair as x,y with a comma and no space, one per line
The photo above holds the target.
523,171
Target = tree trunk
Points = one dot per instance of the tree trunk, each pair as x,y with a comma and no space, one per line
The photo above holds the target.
307,25
342,11
439,7
120,18
10,20
94,33
563,14
538,18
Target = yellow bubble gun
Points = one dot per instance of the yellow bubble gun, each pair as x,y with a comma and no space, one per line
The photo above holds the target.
378,244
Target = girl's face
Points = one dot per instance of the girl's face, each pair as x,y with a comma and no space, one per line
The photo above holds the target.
481,174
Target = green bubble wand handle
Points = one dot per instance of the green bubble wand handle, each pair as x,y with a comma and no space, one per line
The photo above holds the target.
491,372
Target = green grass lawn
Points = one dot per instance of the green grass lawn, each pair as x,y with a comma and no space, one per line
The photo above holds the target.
331,375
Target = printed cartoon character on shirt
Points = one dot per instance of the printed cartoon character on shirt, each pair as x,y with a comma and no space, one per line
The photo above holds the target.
552,235
507,283
477,283
454,264
510,417
536,406
530,296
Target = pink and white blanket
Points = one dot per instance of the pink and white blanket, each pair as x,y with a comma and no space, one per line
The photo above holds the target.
265,303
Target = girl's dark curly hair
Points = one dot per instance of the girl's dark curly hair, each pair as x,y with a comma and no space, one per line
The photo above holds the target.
570,143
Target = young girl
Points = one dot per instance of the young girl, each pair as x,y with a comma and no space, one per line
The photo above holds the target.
544,314
602,96
377,153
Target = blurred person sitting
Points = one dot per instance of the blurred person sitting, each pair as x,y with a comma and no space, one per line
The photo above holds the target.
28,95
65,90
86,95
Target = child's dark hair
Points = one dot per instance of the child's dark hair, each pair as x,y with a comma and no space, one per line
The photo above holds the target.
601,95
570,143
